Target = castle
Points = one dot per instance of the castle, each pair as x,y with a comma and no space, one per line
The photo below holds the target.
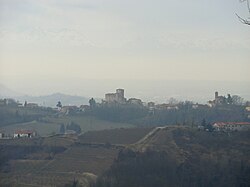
218,100
117,97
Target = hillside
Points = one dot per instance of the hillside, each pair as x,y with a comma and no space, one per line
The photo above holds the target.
50,125
115,136
177,156
51,161
51,100
57,160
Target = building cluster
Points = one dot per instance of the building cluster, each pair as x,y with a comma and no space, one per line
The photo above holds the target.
9,102
220,100
231,126
14,103
19,134
118,98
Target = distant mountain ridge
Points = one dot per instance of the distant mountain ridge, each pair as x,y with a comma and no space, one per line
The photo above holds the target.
51,100
45,100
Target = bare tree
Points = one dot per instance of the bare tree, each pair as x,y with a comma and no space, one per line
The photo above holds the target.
246,20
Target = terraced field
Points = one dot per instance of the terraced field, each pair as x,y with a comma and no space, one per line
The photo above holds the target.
56,160
82,159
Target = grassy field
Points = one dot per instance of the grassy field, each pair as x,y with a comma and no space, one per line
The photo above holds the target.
43,129
115,136
51,125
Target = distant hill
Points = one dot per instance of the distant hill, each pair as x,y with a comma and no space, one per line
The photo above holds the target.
51,100
45,100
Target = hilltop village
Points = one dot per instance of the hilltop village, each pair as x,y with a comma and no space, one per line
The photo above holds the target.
234,113
103,143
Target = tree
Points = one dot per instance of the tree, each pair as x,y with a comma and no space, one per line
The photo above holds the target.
229,99
173,101
92,103
59,104
203,123
245,20
237,100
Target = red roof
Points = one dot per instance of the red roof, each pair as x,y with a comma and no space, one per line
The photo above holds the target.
24,132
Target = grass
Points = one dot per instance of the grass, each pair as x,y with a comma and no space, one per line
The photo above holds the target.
88,123
43,129
50,125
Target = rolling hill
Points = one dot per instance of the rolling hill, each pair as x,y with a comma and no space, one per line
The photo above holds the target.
178,156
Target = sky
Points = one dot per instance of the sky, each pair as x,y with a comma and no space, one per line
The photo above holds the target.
70,46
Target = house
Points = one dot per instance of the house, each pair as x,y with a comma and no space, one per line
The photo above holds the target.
68,109
151,104
248,108
2,135
231,126
24,134
84,108
167,107
31,105
135,101
199,106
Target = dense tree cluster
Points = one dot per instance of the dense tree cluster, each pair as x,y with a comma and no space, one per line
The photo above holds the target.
186,114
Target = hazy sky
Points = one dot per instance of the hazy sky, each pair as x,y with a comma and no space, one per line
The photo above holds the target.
44,43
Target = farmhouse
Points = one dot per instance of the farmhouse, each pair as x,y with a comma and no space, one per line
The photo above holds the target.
24,133
231,126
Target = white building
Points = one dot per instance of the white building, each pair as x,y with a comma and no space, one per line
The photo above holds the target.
1,135
231,126
24,134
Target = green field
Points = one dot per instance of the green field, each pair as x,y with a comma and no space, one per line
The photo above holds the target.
51,125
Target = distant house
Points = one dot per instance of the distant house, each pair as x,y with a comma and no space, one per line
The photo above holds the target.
84,108
135,101
167,107
151,104
231,126
2,135
248,108
199,106
68,109
24,134
32,105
